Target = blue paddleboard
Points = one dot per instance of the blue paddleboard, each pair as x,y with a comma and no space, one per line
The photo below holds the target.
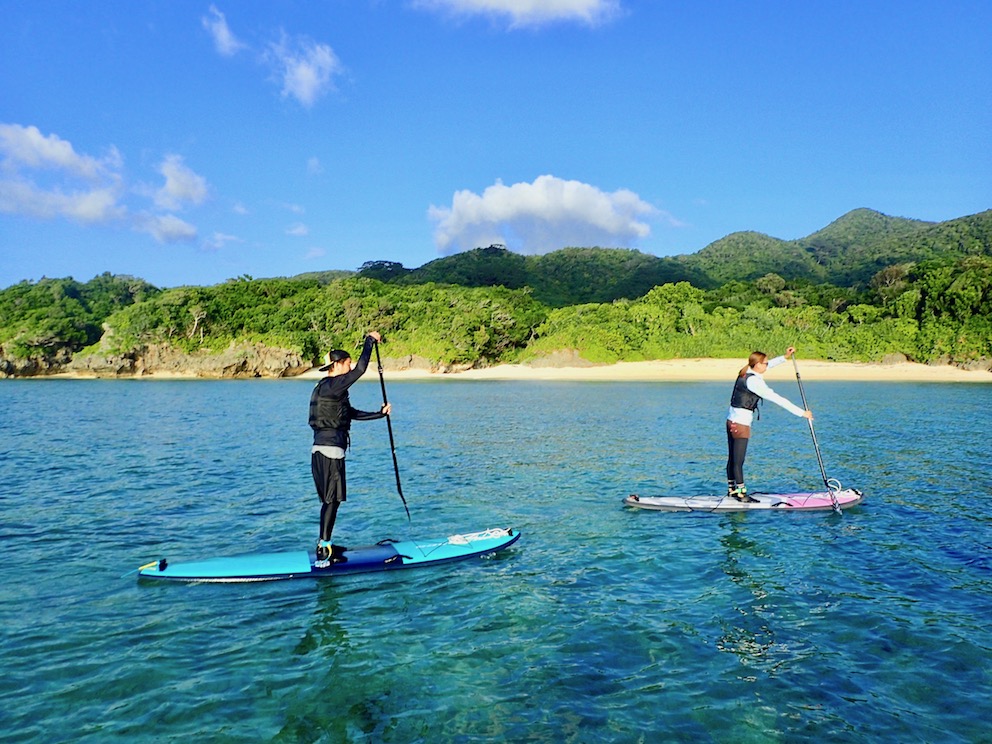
383,556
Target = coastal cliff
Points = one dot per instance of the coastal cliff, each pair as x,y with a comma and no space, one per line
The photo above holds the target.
237,361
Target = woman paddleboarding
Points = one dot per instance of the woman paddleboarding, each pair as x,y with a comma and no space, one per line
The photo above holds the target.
749,390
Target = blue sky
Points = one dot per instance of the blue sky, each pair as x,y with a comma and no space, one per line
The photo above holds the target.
192,142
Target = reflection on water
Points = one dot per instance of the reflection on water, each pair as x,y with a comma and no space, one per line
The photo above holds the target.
748,636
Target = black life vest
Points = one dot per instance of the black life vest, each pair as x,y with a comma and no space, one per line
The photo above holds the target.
330,412
742,397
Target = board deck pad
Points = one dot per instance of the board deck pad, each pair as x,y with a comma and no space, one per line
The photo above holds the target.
808,501
383,556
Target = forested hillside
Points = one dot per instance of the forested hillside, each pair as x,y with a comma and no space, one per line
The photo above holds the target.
901,287
566,277
847,253
43,323
748,255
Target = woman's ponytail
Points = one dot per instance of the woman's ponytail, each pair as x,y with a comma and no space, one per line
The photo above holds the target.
757,357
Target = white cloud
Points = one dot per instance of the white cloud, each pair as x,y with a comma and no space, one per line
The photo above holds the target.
78,187
304,67
298,230
44,177
239,208
226,43
21,196
181,184
315,253
538,217
218,240
523,13
28,147
314,167
166,228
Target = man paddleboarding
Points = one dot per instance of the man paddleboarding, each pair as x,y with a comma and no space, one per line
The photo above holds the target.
331,414
750,389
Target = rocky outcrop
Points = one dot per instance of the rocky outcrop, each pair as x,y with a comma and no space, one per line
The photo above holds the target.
238,361
411,361
895,359
977,365
561,358
36,366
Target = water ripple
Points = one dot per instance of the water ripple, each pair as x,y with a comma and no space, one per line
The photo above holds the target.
601,624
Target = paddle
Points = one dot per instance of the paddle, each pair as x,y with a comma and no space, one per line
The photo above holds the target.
816,447
392,442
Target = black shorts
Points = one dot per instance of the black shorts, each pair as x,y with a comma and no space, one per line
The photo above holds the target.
329,478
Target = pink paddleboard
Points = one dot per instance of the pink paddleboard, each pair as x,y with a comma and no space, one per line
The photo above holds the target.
809,501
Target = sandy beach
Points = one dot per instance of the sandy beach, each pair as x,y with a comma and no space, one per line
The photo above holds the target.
700,369
669,370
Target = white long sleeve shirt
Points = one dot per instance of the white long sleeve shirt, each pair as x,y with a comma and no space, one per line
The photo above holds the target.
757,385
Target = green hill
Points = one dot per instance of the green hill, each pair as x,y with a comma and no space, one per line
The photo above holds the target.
324,277
859,228
953,239
846,253
483,267
745,256
575,276
570,276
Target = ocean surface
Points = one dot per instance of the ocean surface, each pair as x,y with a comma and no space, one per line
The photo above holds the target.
602,624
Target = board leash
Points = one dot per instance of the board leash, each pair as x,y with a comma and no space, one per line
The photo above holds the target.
828,482
392,441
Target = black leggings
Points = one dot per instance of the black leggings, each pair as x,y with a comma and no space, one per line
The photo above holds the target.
329,478
737,439
328,515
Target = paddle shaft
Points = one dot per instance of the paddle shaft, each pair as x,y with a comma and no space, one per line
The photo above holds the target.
812,433
392,442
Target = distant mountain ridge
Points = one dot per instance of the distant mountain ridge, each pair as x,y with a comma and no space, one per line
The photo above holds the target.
846,253
564,277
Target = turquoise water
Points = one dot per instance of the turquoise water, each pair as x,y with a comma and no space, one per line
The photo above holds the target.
600,624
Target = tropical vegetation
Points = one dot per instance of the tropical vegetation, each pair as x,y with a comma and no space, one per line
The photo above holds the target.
863,288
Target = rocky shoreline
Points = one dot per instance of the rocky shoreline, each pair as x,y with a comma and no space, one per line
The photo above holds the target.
256,361
237,361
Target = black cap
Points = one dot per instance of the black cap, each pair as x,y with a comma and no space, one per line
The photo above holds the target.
331,357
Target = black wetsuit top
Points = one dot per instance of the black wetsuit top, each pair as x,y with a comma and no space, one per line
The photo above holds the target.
331,412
